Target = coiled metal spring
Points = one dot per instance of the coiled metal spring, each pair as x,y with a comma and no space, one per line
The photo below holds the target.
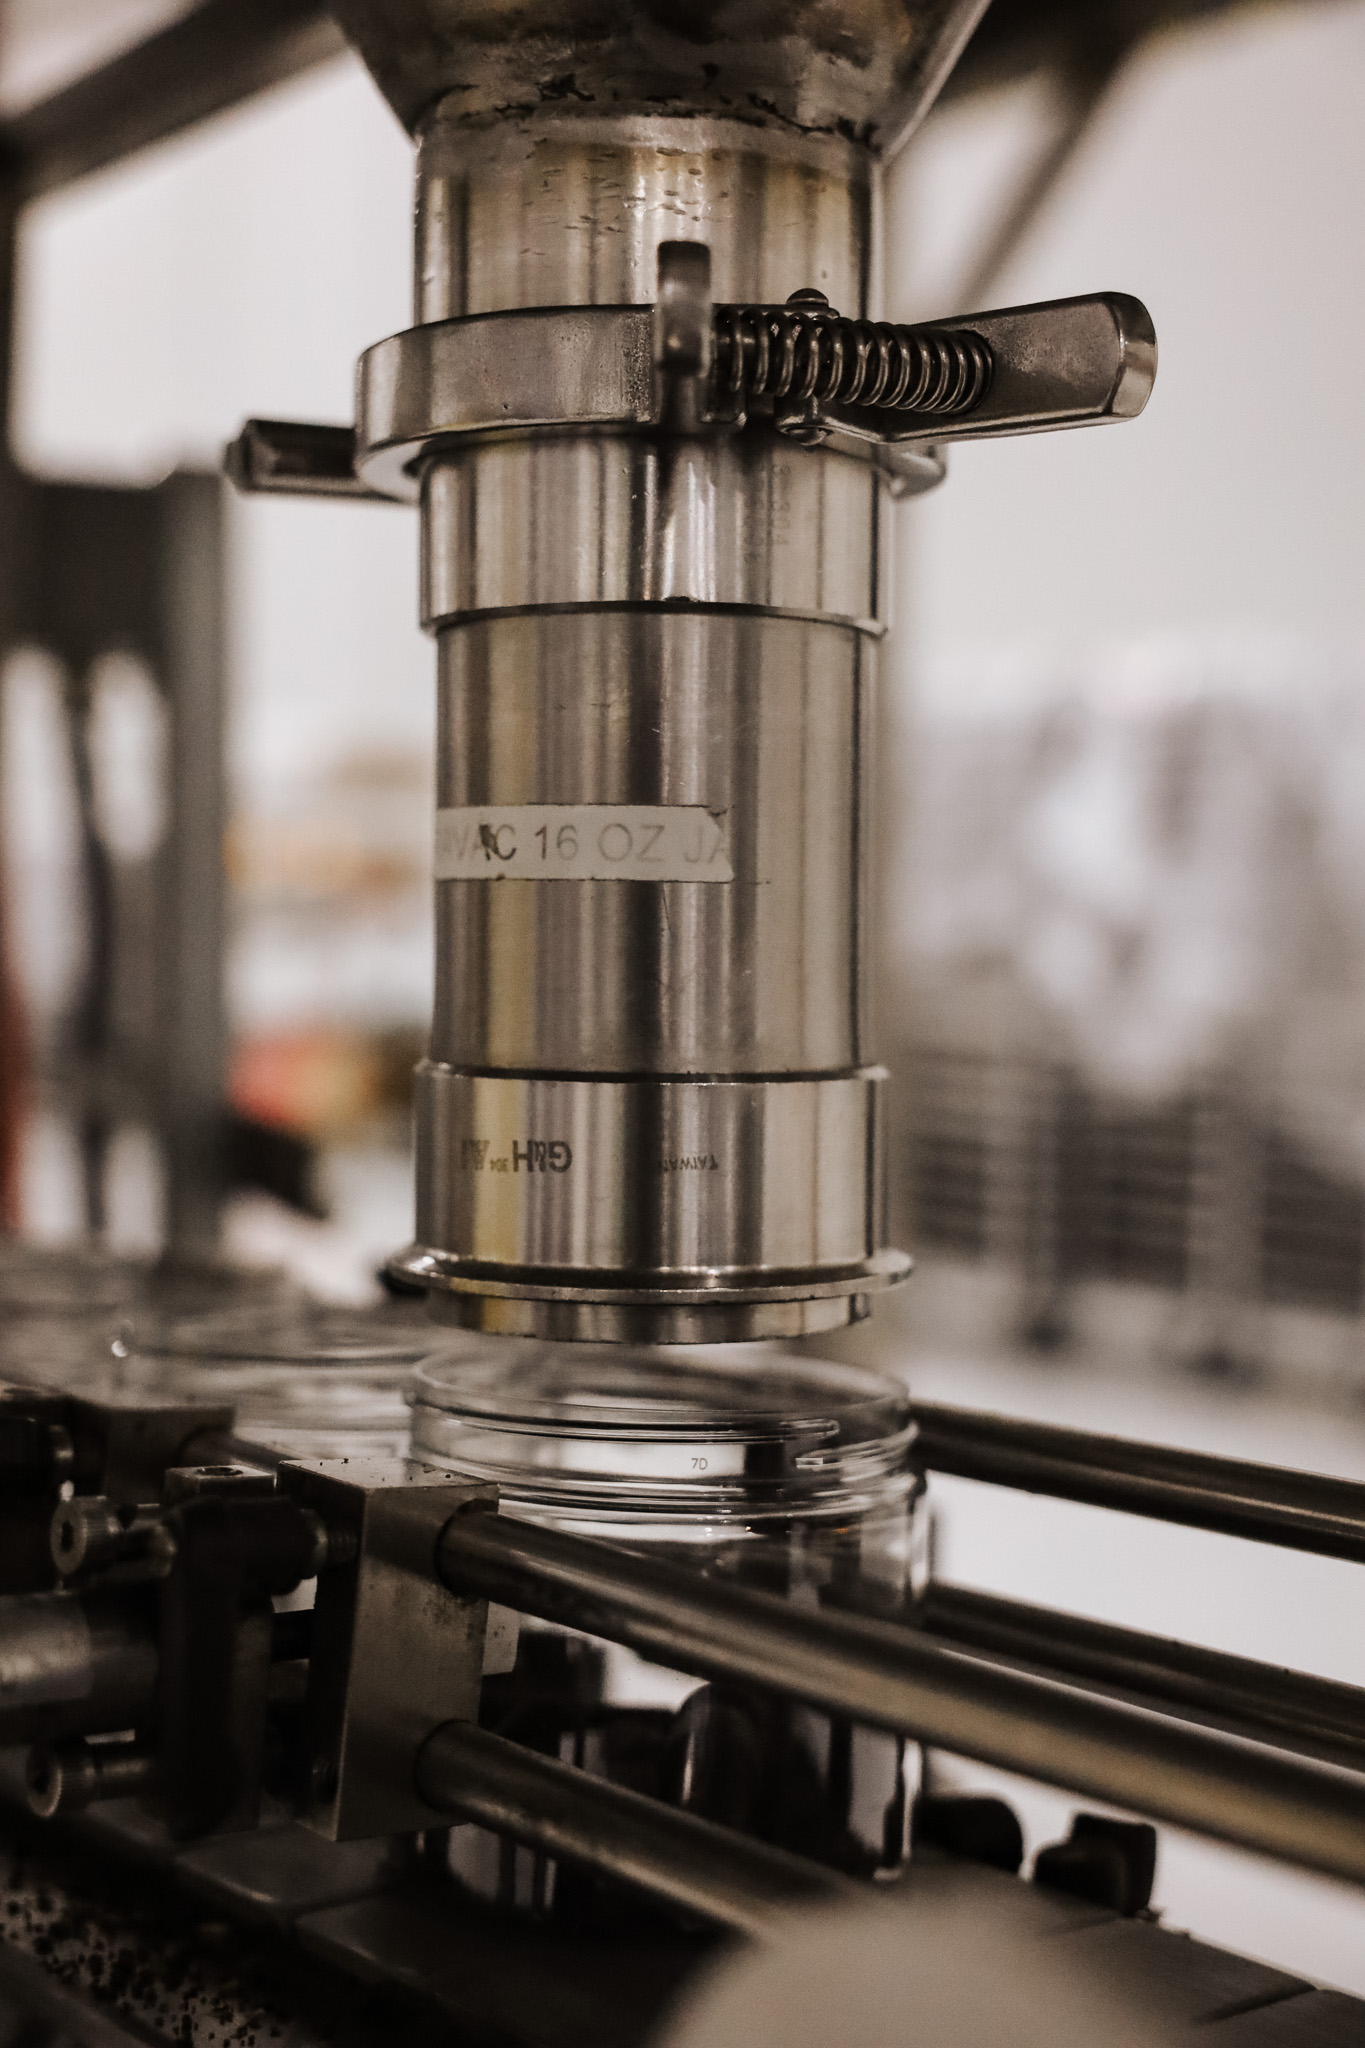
813,357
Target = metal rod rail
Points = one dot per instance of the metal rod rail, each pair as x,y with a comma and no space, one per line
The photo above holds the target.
693,1864
88,1663
891,1677
73,1661
1295,1510
1317,1717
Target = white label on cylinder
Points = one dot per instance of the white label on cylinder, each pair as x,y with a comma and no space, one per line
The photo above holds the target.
582,843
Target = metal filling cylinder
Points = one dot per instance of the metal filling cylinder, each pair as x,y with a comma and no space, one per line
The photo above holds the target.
650,1110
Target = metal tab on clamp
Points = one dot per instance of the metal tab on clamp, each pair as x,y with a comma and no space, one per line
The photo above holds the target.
682,334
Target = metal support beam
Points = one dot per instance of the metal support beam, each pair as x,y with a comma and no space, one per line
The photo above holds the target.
1295,1510
219,53
13,1034
1312,1716
695,1865
1082,78
194,1034
887,1676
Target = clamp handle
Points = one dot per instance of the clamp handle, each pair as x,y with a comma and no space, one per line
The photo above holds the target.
683,366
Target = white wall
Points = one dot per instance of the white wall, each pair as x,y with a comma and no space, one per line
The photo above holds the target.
1225,186
240,270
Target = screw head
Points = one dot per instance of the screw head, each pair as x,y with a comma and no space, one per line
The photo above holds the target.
812,303
43,1781
802,423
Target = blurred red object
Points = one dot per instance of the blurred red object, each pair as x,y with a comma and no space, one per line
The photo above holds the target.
321,1083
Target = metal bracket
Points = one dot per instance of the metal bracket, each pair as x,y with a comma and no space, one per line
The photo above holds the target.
393,1653
109,1454
292,458
229,1557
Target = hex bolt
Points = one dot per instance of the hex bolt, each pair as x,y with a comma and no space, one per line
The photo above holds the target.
63,1777
92,1534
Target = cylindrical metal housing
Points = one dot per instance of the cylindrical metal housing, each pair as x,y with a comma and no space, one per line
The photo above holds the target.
650,1110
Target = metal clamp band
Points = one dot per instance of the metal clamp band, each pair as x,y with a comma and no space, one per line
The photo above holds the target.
555,370
890,395
1074,362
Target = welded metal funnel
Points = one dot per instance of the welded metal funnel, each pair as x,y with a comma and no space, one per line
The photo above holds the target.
863,69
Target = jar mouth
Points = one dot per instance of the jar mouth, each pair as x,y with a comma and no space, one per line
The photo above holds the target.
715,1435
303,1337
299,1375
75,1281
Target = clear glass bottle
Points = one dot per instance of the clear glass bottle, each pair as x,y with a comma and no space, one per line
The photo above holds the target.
777,1471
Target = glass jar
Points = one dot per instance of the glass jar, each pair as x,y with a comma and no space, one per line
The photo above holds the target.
62,1306
776,1471
307,1381
59,1308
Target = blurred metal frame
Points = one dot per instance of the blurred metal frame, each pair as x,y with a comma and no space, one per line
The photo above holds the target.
219,53
99,569
91,569
117,569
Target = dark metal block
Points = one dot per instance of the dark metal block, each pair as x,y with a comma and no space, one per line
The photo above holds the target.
507,1980
124,1448
1178,1980
1313,2019
278,1873
393,1653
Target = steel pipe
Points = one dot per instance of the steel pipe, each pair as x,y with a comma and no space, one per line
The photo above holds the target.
891,1677
1259,1702
651,1110
72,1662
84,1663
689,1863
1296,1510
